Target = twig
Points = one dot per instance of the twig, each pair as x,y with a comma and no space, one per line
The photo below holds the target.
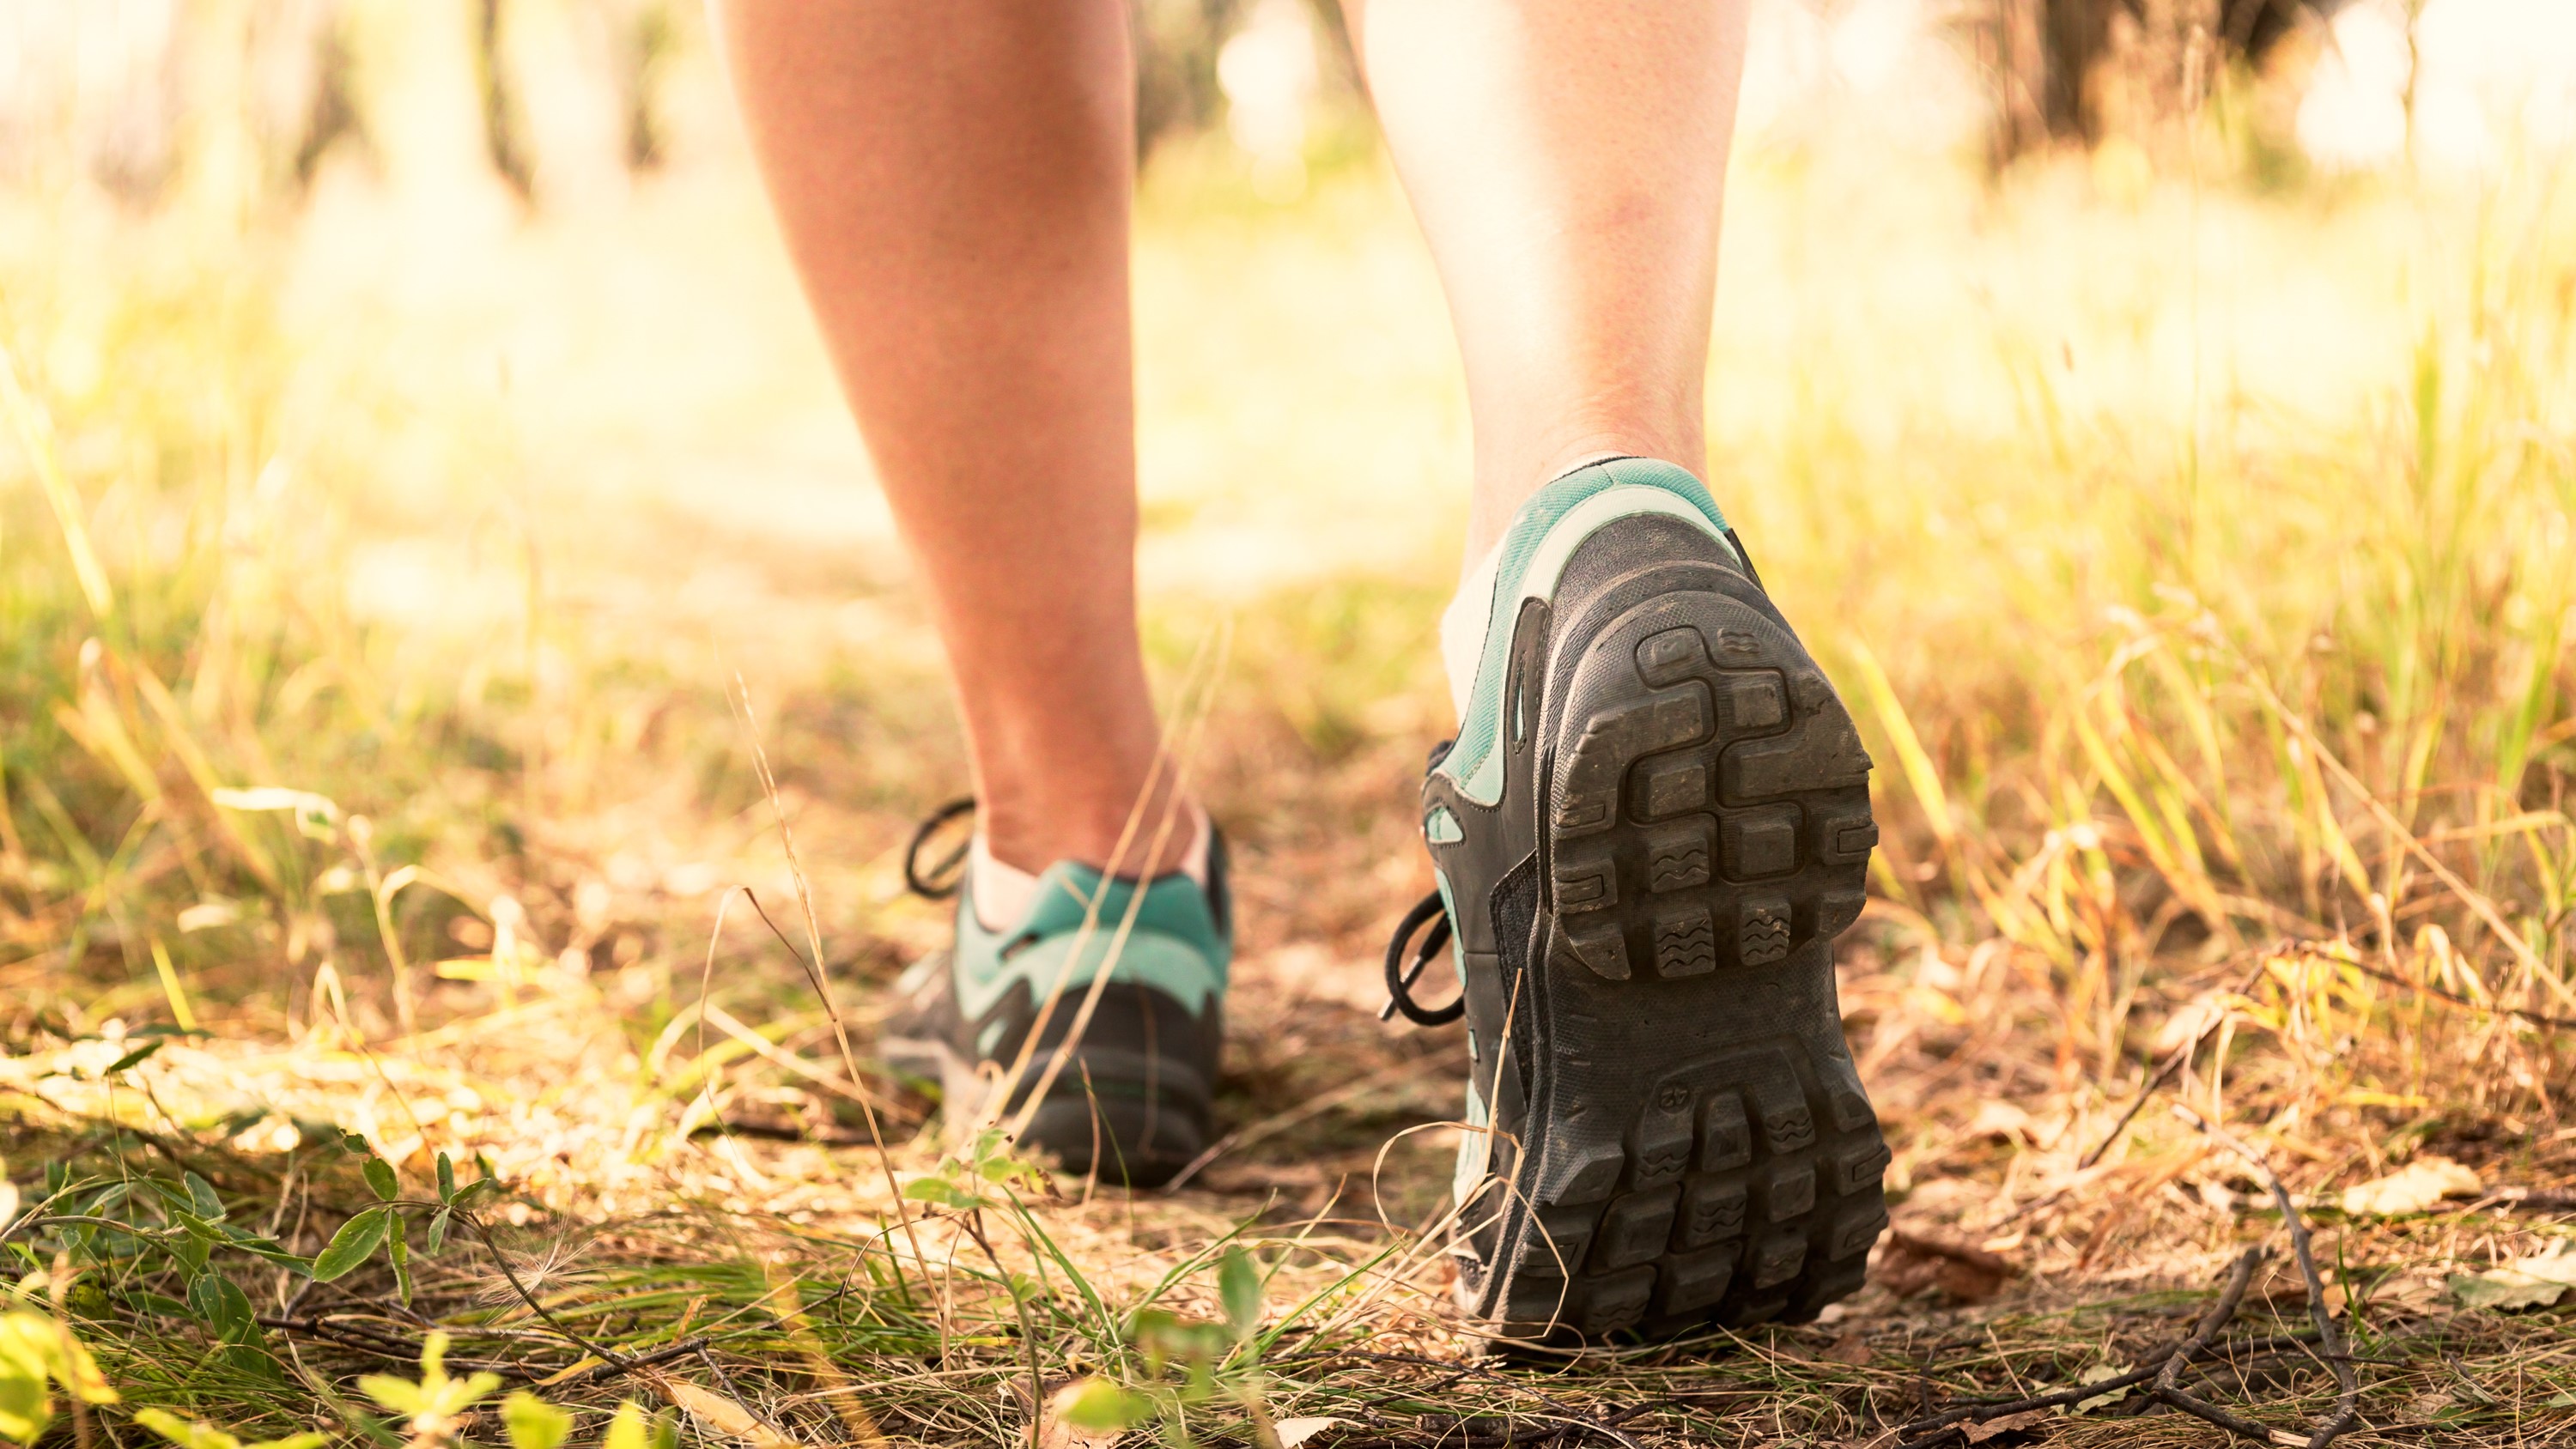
501,1260
682,1349
2525,1199
2169,1388
1459,1371
2329,1333
1312,1107
2330,1338
973,1220
1934,1428
389,1347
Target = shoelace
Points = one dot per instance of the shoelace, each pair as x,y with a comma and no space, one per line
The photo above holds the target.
949,871
1400,978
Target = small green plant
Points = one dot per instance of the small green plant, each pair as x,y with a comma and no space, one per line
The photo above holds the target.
971,1178
435,1402
1186,1362
37,1354
202,1435
532,1423
634,1429
385,1225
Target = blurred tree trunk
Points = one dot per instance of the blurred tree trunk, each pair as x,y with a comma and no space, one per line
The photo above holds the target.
2041,54
2045,57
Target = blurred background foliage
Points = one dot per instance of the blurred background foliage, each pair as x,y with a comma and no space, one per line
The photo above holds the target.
556,98
2147,401
420,484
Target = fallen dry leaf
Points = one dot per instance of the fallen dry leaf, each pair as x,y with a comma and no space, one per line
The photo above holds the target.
1851,1348
2197,1017
1293,1432
2002,1121
2097,1374
2504,1290
2414,1188
1915,1262
2026,1419
2556,1266
723,1415
2424,1408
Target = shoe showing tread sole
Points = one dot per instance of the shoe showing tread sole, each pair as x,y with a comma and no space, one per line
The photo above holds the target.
1696,1146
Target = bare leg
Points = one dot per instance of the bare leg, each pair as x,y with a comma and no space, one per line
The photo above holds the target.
954,182
1566,159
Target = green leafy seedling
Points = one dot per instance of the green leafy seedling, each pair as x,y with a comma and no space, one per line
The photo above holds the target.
354,1244
215,1301
1098,1404
434,1402
398,1247
632,1430
942,1190
35,1351
532,1423
202,1200
206,1436
1238,1286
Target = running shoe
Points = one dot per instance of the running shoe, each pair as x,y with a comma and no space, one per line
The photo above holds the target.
1653,822
1133,1096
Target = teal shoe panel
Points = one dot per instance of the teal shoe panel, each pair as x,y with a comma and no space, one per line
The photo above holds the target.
1543,534
1175,944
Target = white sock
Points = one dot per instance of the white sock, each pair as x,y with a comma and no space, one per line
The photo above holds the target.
1462,627
1003,893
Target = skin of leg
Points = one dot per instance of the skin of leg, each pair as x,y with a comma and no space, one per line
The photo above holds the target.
954,183
1567,162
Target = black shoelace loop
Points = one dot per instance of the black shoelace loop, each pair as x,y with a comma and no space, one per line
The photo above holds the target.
1400,978
941,880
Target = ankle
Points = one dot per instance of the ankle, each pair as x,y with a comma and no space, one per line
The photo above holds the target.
1500,491
1170,835
1003,891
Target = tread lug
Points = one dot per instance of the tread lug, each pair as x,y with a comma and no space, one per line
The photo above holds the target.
1697,1280
1761,842
1685,941
1615,1301
1678,855
1776,1259
1601,946
1635,1229
1762,930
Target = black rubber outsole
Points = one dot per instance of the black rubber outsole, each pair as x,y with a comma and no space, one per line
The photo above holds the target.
1697,1150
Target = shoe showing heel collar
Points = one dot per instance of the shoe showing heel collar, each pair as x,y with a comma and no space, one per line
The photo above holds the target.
1134,1097
1655,819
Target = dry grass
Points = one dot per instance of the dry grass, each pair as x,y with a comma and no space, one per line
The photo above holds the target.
2198,559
